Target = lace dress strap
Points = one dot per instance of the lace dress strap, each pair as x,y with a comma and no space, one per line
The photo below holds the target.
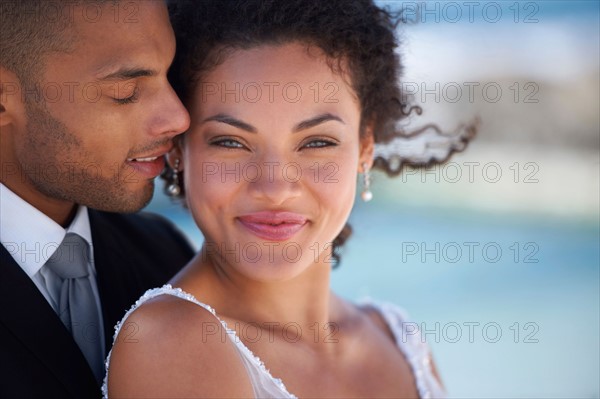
264,384
409,340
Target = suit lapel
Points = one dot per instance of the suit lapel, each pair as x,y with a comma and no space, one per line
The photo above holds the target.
27,314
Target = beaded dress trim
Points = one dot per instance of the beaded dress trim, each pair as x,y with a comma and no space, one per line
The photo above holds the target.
178,292
408,340
416,352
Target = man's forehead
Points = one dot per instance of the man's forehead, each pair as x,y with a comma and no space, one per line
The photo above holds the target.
123,16
117,49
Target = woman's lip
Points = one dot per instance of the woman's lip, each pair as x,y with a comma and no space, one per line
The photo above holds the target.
271,217
273,226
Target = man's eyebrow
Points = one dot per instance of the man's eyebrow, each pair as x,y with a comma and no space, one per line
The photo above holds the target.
230,120
317,120
127,74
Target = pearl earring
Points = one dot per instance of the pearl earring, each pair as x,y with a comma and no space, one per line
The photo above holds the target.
366,194
173,189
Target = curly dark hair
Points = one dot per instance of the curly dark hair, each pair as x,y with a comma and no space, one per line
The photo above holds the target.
355,32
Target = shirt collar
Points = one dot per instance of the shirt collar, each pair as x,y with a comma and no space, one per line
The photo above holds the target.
29,235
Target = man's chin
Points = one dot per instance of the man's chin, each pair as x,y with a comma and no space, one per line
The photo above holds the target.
135,202
105,196
125,201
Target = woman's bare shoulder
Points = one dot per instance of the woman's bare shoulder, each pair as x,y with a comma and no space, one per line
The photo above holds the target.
170,347
363,314
374,314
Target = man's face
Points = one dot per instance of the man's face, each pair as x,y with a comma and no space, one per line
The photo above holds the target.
107,115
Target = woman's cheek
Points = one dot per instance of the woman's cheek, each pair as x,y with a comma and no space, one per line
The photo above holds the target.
333,179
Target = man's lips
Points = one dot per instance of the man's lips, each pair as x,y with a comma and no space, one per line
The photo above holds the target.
273,226
151,157
148,159
149,165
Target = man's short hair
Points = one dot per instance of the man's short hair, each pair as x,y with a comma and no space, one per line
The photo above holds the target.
30,29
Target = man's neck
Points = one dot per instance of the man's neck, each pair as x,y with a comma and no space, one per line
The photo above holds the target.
62,212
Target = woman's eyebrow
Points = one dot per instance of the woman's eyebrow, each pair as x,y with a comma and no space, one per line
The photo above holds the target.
306,124
317,120
230,120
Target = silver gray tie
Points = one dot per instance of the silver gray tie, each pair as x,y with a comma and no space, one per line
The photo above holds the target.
77,305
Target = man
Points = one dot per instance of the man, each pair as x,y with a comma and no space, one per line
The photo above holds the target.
86,116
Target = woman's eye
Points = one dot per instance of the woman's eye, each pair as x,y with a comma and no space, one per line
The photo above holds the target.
227,143
128,100
319,144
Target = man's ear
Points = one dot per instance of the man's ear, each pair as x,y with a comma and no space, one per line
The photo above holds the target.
367,148
11,107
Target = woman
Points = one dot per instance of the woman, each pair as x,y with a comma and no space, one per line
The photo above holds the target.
287,99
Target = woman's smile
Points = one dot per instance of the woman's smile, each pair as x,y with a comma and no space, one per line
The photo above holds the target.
273,226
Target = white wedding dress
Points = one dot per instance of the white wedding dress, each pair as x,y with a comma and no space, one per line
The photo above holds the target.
266,386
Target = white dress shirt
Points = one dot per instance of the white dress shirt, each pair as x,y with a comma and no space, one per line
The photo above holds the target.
31,238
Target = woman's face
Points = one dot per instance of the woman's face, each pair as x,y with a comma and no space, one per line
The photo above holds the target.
271,159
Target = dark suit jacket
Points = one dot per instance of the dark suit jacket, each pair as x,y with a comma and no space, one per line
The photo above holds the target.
38,357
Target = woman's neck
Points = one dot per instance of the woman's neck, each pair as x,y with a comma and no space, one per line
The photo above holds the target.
304,299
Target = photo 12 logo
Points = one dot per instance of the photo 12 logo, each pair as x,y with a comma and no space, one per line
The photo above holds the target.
472,172
252,172
253,92
487,92
453,332
469,252
63,13
414,12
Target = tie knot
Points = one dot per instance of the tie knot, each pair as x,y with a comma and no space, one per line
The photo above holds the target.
70,258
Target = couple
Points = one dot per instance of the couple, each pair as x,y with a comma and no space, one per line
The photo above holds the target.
293,93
